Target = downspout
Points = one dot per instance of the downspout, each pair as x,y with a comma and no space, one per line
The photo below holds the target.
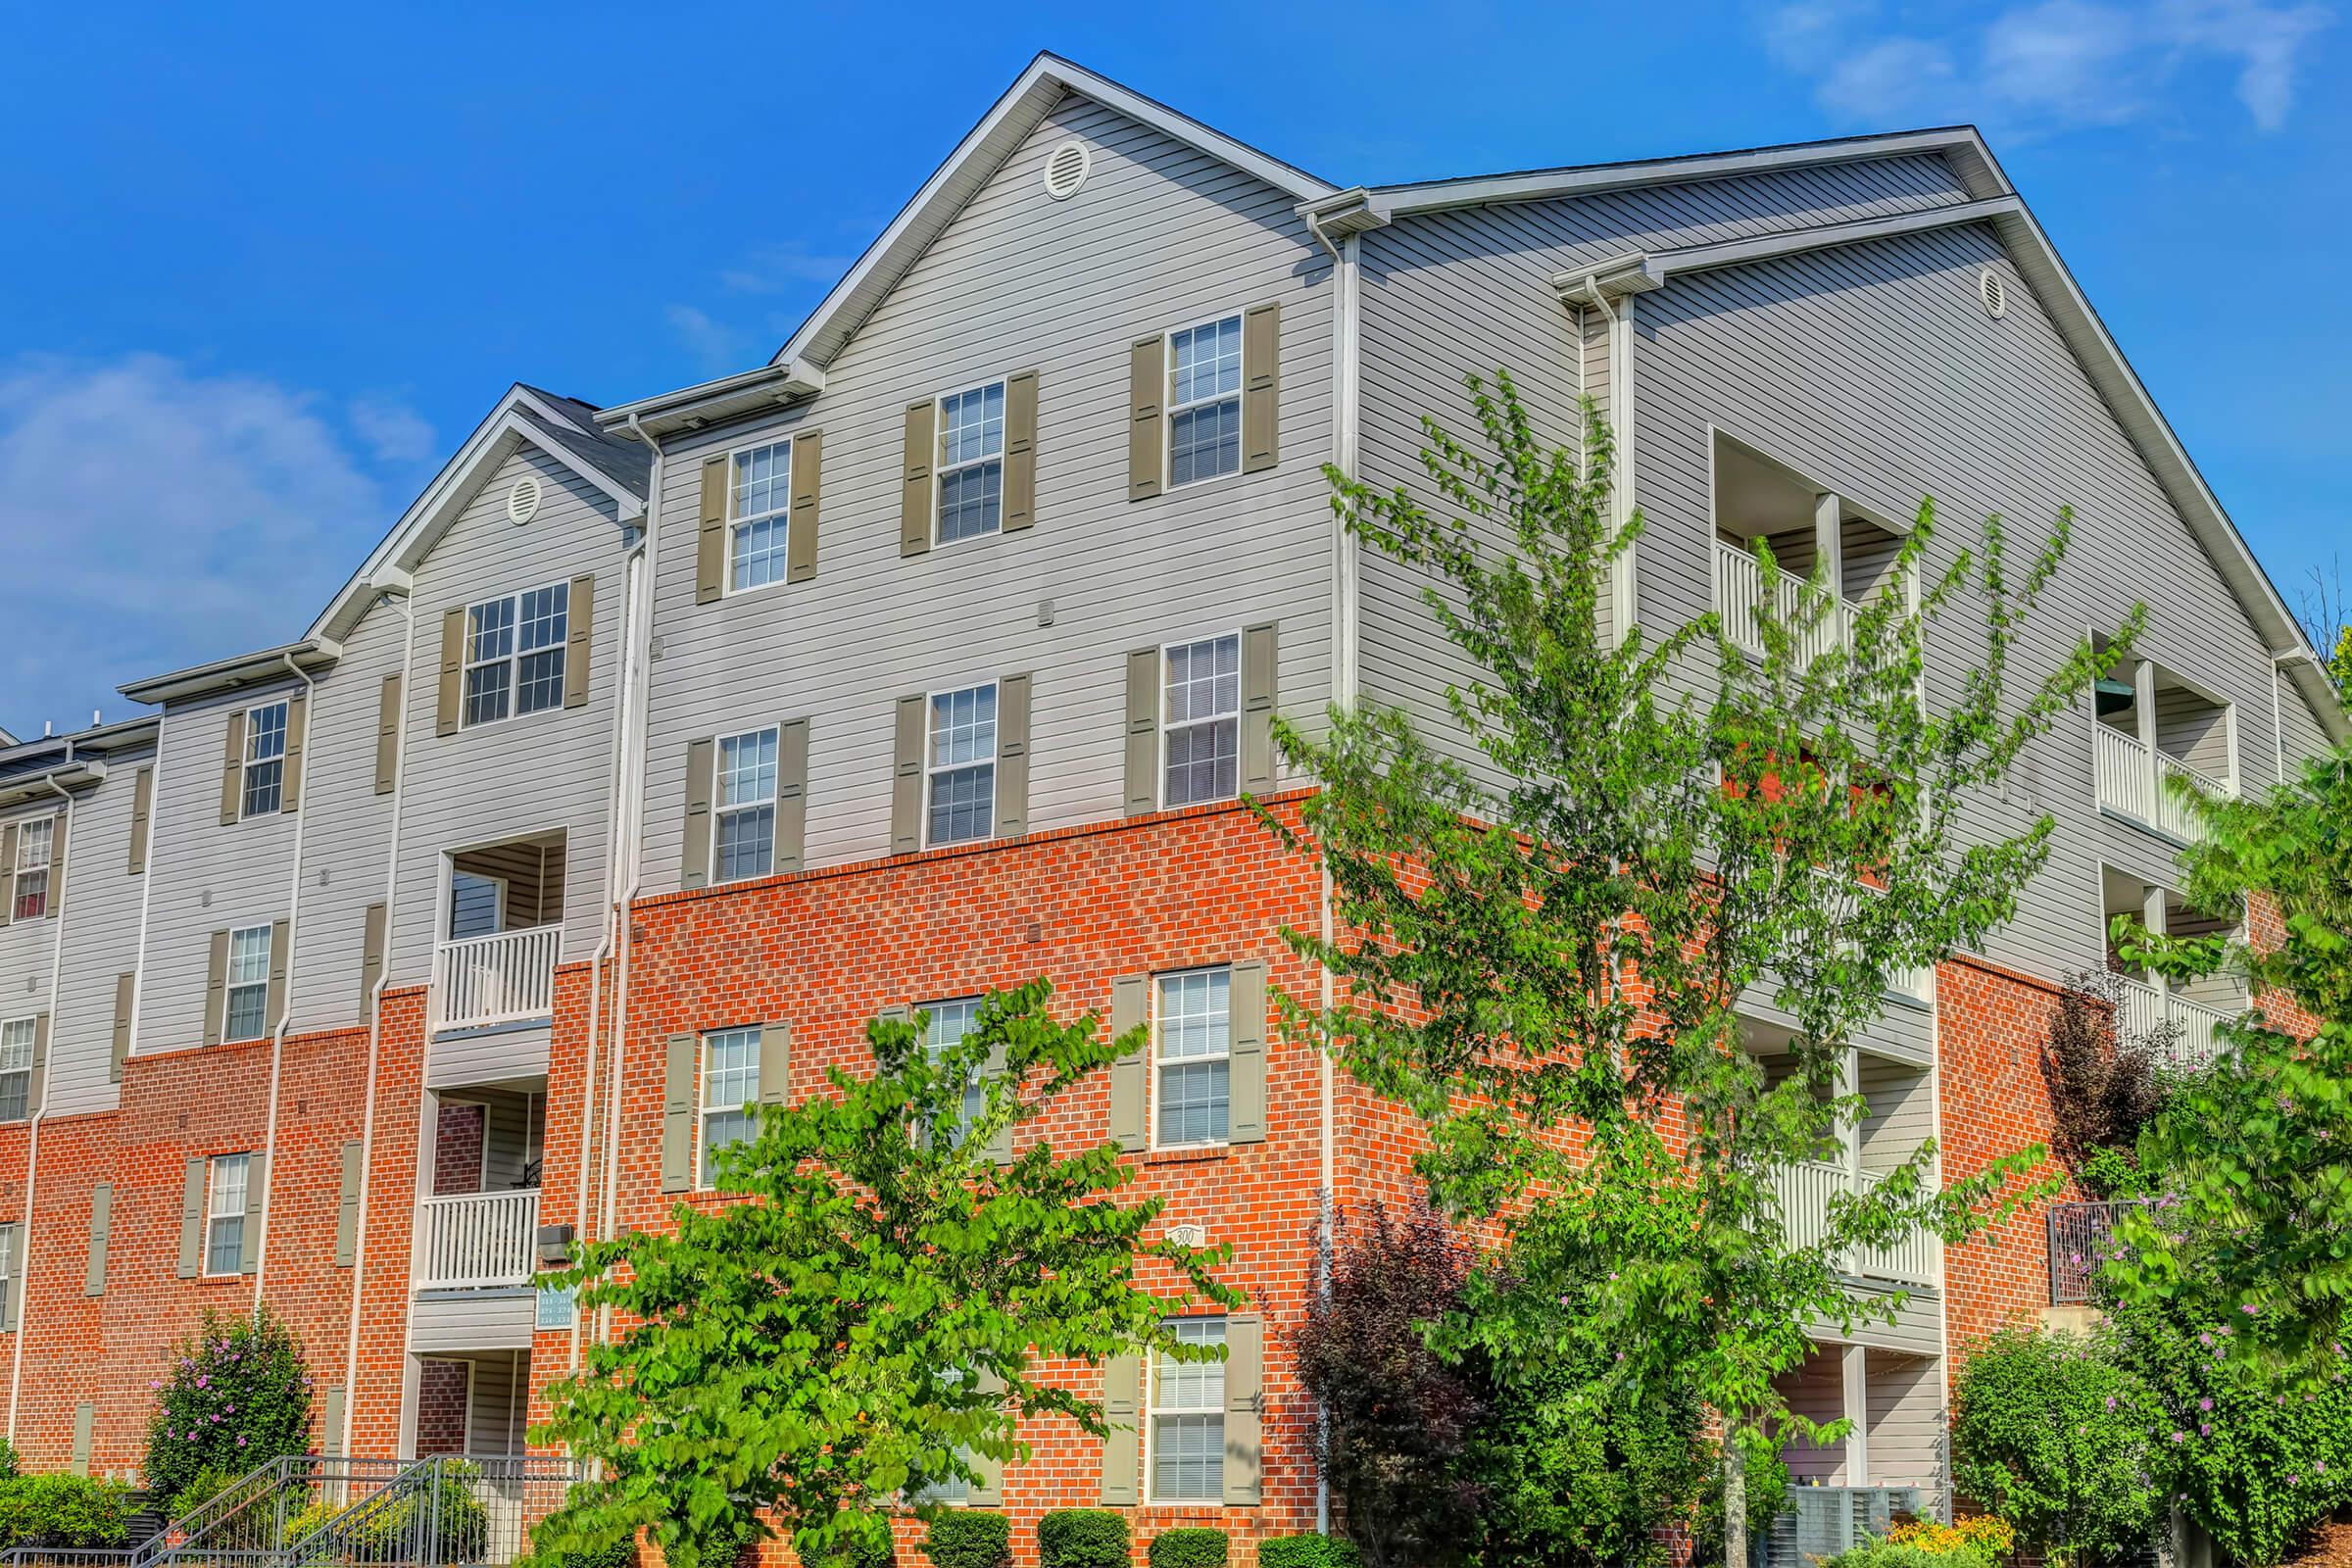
33,1144
375,1025
1621,418
278,1035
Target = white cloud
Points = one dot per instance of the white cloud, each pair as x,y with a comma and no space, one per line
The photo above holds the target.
783,268
718,346
157,517
393,431
2047,65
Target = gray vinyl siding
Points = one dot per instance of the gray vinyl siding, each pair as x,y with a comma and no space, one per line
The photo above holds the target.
487,1055
522,775
1160,237
27,947
1816,1391
1908,1429
472,1320
2192,730
1902,1110
101,936
496,1413
2298,725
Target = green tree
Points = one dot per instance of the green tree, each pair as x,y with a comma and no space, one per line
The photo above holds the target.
874,1316
235,1395
1543,945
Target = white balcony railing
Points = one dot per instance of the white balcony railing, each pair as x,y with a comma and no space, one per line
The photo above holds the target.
1806,1191
2142,1010
498,978
1740,590
2130,783
478,1241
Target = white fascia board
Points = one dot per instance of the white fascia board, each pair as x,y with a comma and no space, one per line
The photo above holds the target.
729,397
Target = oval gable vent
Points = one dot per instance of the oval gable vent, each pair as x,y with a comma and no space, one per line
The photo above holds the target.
1994,292
523,502
1066,167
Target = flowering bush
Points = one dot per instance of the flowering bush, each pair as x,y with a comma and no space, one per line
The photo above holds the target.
1984,1535
234,1395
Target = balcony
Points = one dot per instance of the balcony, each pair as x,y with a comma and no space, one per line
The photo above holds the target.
2081,1234
2190,1028
2132,784
2153,727
477,1240
1739,592
1823,1521
503,977
1812,533
1807,1192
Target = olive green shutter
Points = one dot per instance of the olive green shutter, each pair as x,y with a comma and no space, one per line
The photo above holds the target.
142,818
987,1491
775,1065
233,769
372,931
8,870
38,1089
57,866
85,1426
281,958
1020,452
1261,386
702,761
216,988
330,1423
191,1219
1129,1009
1245,1120
1245,1375
11,1300
677,1115
298,723
257,1196
1143,731
1122,1445
906,777
1260,656
792,794
1000,1147
580,637
452,690
1147,391
102,1221
126,1001
914,478
387,734
347,1207
807,493
1012,756
710,544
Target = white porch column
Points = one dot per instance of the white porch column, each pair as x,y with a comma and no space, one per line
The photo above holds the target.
1829,543
1854,1364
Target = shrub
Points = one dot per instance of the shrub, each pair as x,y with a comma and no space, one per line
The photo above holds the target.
2055,1438
1894,1554
1191,1546
1082,1538
969,1539
10,1468
63,1510
1308,1551
207,1483
236,1396
862,1552
618,1553
1986,1535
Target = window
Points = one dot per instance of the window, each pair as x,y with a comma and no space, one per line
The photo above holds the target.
1188,1419
744,828
35,841
15,1068
730,1083
245,1007
1191,1071
972,462
760,505
963,764
951,1490
225,1216
514,654
951,1023
1204,401
1203,721
265,759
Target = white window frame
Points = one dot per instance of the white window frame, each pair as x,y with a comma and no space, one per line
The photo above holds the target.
705,1109
230,985
1153,1410
215,1215
1171,408
248,763
1167,725
933,769
719,812
26,1030
46,827
514,657
940,469
933,1045
780,514
1152,1095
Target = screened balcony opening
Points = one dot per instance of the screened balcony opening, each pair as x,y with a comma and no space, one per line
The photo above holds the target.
1886,1468
2178,1017
1807,528
2153,726
501,929
1897,1116
480,1220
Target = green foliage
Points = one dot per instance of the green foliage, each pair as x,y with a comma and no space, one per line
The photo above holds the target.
1573,940
237,1395
63,1510
2104,1087
1308,1551
866,1550
970,1538
10,1466
2053,1435
1082,1538
391,1533
2112,1174
620,1553
1189,1546
202,1488
870,1323
1902,1554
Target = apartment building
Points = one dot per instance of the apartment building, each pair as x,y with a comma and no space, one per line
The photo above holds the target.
659,746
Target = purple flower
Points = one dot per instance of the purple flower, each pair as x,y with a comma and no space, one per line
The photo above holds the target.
2111,1404
241,1443
2204,1429
2205,1403
2204,1339
2249,1308
2180,1436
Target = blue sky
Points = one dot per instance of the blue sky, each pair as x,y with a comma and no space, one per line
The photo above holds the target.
265,266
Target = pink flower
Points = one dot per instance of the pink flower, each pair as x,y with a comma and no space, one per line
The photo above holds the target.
2249,1308
2180,1436
2205,1403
